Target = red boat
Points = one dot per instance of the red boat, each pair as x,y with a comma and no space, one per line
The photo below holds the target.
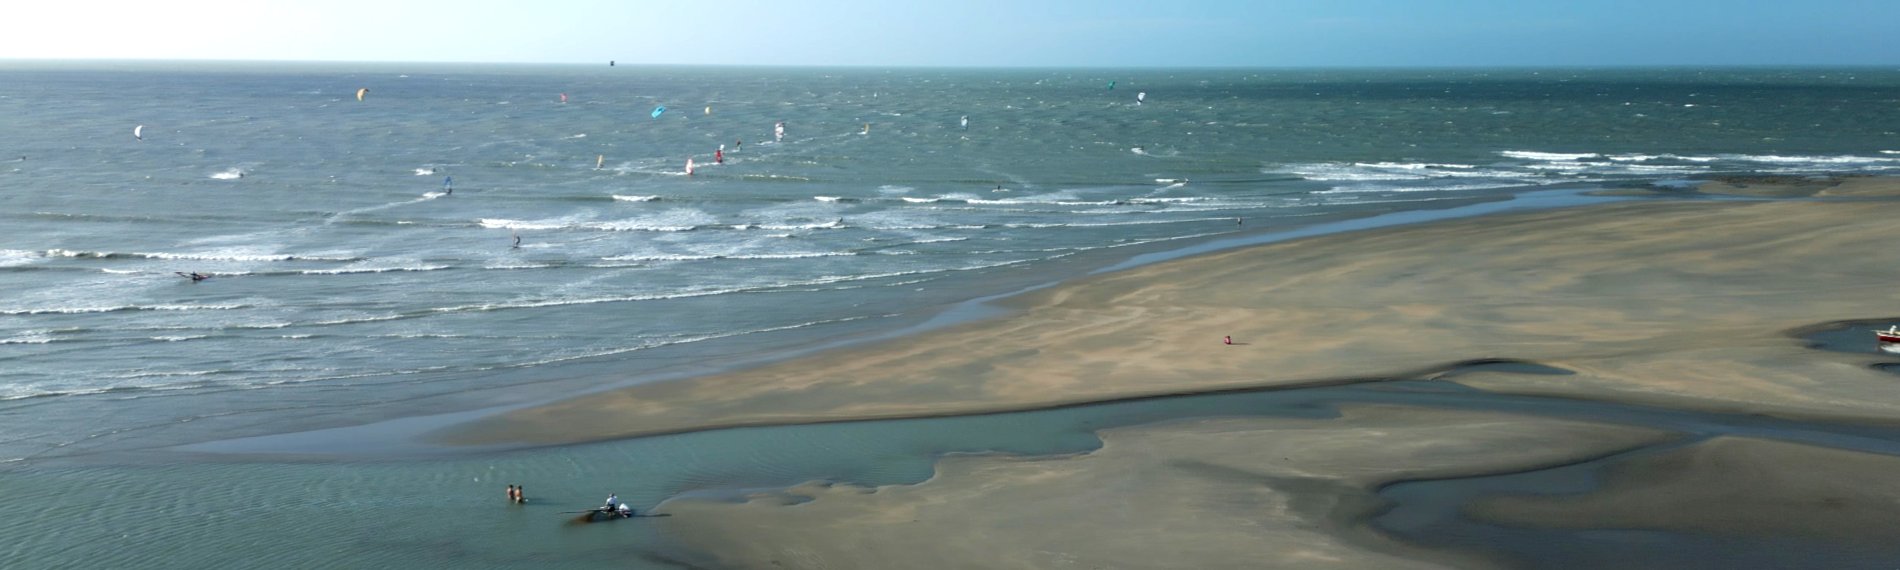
1892,334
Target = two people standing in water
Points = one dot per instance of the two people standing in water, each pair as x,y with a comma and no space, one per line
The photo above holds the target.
515,494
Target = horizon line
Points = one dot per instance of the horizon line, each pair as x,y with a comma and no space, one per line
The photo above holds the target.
617,63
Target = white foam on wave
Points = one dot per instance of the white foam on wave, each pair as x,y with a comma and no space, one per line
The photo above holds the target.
17,257
1843,159
635,198
1171,200
733,256
1378,189
116,308
352,270
889,189
675,220
425,171
30,337
921,200
1393,171
228,174
224,255
1890,152
830,198
1552,156
1040,225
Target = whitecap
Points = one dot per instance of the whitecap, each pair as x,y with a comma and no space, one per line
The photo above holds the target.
78,310
635,198
1553,156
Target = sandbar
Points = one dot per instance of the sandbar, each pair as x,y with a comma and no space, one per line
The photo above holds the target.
1664,302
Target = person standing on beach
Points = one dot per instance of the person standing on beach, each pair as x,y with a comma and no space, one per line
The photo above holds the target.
1227,340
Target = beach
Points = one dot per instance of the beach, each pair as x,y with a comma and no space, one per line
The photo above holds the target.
1690,303
1306,318
1674,303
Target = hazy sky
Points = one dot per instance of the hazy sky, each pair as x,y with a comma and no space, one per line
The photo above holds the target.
1265,33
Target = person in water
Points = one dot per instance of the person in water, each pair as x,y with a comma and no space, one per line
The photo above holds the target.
511,493
736,145
626,510
521,496
195,276
517,244
613,501
719,156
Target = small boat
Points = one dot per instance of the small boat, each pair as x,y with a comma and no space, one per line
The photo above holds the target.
606,514
1892,334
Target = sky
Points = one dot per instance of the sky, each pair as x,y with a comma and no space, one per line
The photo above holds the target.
969,33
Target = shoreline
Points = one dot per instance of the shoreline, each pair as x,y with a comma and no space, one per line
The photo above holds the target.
409,434
813,388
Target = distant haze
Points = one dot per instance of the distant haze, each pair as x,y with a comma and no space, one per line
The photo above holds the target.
1114,33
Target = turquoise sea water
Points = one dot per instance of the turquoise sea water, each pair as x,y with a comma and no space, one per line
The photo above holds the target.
347,287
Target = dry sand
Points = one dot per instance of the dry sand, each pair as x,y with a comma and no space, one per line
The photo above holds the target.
1672,303
1221,493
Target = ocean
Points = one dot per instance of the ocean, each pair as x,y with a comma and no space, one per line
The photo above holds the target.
349,285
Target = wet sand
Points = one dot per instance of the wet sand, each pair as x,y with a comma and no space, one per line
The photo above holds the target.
1667,303
1734,486
1217,493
